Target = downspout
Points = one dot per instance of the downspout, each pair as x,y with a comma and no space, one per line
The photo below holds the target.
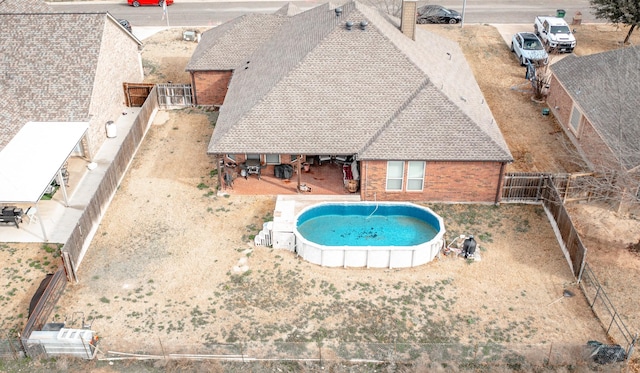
365,173
500,180
194,96
299,167
219,161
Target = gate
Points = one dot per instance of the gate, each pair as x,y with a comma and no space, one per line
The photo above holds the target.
136,93
529,187
175,95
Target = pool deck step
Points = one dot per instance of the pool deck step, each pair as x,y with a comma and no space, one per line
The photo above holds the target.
288,206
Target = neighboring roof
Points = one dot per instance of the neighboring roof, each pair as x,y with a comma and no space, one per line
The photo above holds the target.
606,89
50,71
24,6
226,46
289,9
33,157
316,87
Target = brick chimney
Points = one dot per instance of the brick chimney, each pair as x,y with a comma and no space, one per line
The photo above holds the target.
408,18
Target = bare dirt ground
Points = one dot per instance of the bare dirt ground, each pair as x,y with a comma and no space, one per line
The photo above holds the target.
162,274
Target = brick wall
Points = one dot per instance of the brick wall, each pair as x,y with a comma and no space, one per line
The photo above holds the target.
119,62
210,86
560,102
595,150
589,143
444,182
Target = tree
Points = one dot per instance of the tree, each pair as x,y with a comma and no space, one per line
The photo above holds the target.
618,11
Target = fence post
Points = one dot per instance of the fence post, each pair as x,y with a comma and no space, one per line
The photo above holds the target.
631,347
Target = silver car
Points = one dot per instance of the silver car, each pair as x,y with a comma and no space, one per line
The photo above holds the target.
528,47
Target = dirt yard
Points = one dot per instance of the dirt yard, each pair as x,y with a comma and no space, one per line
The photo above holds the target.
166,276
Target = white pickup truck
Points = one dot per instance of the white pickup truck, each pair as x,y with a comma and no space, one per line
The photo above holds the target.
555,33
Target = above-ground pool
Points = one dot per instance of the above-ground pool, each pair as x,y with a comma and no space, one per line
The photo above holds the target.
368,234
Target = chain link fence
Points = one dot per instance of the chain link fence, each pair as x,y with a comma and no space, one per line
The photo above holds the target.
523,357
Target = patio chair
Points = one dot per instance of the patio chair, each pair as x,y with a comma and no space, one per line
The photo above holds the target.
324,158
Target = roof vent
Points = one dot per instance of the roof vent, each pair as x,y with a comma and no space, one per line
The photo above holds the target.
338,12
363,25
349,25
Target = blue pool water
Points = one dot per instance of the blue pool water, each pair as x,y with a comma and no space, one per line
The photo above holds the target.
368,224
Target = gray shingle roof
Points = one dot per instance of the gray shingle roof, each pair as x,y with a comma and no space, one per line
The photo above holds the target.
316,87
49,75
228,45
606,88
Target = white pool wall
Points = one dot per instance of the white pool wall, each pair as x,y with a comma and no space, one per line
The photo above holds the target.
370,256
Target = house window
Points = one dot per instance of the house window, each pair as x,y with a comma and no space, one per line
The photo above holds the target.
415,175
575,118
231,157
395,173
294,157
253,156
272,158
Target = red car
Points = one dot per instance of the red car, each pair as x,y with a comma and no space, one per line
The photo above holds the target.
149,2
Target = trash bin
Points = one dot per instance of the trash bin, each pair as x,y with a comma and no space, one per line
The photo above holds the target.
560,13
111,129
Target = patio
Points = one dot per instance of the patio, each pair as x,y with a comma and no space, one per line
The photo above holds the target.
323,179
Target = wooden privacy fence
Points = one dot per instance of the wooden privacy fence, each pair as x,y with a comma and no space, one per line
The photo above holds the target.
90,218
41,312
528,187
552,191
136,93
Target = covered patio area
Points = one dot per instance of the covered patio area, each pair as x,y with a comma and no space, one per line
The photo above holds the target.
326,179
32,161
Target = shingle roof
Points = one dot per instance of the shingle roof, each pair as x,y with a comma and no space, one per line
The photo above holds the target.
316,87
289,9
606,87
228,45
24,6
47,68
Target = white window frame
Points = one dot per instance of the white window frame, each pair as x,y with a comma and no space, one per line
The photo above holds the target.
394,178
266,158
231,157
415,172
248,156
577,116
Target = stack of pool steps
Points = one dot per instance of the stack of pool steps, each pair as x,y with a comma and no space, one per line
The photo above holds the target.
284,222
264,237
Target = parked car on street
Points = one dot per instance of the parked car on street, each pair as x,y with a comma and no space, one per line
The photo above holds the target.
137,3
528,47
437,14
